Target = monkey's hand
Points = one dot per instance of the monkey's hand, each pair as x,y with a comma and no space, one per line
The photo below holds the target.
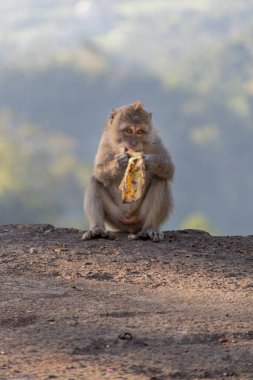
122,159
161,166
149,160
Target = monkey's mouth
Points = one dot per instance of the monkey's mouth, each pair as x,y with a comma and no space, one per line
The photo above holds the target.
126,149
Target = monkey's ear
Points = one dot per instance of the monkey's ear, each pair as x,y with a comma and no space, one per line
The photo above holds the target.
137,105
112,115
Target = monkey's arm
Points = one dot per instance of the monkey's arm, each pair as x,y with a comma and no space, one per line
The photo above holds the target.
160,166
112,169
106,172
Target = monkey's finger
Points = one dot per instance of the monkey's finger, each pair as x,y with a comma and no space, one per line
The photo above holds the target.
123,162
141,235
87,235
152,234
96,233
157,236
108,235
121,155
147,160
123,159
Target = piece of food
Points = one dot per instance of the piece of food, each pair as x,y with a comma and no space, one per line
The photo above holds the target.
132,185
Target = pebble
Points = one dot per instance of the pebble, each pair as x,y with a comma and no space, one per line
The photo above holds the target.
33,250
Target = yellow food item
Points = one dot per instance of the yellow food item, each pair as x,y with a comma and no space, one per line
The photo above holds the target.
132,184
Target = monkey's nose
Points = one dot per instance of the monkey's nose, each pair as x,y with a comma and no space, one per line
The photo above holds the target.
134,142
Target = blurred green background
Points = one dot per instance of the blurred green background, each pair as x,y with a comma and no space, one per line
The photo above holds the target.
64,64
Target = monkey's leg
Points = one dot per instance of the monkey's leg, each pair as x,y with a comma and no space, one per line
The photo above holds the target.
94,209
155,208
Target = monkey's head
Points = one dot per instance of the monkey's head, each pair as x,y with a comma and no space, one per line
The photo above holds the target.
131,126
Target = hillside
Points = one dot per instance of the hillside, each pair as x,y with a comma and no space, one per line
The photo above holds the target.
124,309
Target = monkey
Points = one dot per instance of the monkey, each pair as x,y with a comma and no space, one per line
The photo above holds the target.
129,128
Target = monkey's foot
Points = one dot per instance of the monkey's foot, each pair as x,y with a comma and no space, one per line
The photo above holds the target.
150,233
97,232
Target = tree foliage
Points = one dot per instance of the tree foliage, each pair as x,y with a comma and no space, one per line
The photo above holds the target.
198,221
40,175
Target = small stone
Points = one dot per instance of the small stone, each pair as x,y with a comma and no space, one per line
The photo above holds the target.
176,373
32,349
126,336
33,250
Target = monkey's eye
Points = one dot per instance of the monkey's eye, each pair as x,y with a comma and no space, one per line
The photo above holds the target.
128,131
140,132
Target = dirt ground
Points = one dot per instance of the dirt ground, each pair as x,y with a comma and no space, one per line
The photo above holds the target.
124,309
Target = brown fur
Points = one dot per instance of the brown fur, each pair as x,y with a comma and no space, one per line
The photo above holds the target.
129,127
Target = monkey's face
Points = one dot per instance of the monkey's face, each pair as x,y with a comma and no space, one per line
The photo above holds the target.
133,136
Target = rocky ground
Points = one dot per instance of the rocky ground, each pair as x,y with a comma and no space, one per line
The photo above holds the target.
124,309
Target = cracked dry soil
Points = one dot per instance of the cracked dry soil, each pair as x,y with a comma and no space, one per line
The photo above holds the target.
124,309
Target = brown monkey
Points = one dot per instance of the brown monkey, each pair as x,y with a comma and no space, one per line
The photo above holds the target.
129,127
